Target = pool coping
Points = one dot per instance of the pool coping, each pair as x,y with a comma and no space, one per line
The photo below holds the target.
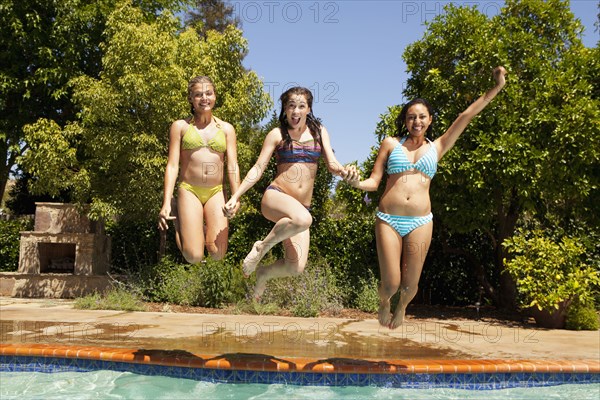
268,363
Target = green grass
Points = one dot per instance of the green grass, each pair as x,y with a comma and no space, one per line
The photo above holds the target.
256,308
113,299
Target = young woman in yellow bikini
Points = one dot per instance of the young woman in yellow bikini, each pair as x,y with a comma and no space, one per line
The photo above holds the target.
404,223
200,146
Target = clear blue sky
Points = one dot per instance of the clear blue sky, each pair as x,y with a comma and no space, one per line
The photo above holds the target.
349,53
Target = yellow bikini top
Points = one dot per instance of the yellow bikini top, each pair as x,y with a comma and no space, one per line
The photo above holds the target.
192,139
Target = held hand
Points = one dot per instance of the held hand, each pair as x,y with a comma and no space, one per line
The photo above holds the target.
237,208
164,217
499,76
231,207
352,175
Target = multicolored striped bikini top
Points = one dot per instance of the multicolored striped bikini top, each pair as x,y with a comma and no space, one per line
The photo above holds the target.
308,151
398,162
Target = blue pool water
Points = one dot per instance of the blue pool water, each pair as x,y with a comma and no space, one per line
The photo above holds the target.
105,384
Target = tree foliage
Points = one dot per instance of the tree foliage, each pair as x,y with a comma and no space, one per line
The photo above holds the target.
215,15
10,235
114,154
44,44
21,202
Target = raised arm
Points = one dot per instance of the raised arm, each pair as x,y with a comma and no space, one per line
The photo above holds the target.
171,172
372,182
255,173
447,140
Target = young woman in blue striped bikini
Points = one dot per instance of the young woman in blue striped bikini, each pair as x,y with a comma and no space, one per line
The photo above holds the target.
403,227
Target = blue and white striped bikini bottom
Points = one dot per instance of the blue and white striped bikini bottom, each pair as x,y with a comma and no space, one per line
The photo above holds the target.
403,224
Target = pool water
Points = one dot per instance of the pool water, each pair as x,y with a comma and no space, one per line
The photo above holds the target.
126,385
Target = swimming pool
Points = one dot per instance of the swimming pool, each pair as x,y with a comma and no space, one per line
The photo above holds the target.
127,385
291,357
246,368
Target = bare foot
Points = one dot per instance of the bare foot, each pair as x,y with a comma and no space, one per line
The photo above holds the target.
261,284
251,260
398,317
384,316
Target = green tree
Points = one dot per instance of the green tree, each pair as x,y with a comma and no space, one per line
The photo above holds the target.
44,44
115,153
21,202
534,151
205,15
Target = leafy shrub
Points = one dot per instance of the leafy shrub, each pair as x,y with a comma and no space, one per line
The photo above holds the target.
348,245
548,273
582,318
316,290
10,242
208,284
367,298
221,283
134,243
177,283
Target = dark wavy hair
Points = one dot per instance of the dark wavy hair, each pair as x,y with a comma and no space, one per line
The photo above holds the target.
195,81
401,119
311,121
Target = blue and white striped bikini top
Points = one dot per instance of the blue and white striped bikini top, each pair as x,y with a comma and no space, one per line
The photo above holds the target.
398,162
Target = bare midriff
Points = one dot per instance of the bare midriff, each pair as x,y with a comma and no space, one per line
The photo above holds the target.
202,167
297,180
406,194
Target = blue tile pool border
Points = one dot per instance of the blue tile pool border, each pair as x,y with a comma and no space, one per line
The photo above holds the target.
470,381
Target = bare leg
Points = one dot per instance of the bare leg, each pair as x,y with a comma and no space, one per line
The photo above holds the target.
290,218
414,250
293,263
190,232
217,227
176,222
389,246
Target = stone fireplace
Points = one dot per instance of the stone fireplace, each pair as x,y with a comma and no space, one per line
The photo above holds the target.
64,241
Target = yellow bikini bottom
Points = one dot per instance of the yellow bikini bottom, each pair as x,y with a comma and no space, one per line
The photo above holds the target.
202,193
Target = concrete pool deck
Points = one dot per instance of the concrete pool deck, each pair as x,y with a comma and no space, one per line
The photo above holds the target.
51,327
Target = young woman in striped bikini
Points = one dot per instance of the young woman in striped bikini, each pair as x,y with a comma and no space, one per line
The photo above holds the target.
404,224
298,143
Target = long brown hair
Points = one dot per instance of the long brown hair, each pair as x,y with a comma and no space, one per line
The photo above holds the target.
314,125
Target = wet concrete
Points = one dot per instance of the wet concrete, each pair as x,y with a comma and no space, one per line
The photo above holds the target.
56,322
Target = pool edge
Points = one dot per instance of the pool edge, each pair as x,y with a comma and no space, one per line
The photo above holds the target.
271,363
